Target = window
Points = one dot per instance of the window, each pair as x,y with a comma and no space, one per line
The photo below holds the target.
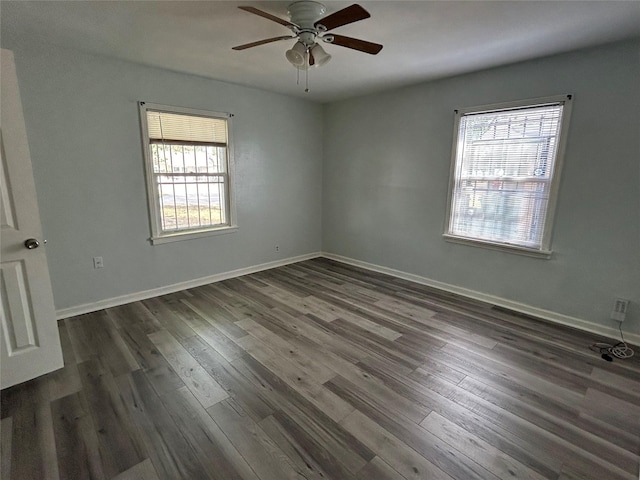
505,174
187,163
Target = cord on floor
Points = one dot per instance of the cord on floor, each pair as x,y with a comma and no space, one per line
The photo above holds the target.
619,350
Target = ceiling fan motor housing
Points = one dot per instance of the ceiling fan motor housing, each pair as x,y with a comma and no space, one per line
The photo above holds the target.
305,14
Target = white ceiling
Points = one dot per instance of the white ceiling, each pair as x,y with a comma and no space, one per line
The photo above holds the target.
423,40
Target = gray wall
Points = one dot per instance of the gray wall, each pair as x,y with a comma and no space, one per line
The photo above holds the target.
372,186
83,128
386,171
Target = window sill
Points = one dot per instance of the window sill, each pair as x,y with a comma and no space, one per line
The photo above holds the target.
176,237
529,252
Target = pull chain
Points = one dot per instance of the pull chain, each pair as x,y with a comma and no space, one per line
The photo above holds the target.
306,81
306,72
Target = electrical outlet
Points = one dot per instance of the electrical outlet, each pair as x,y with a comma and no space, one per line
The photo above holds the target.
98,262
620,307
277,248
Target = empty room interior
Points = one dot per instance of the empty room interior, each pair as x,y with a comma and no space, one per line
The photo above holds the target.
391,240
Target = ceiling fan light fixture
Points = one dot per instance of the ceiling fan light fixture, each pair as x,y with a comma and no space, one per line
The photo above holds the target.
319,55
297,55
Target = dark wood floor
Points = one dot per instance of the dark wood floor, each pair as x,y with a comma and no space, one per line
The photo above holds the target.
319,370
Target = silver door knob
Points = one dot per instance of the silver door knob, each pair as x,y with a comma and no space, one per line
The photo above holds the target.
31,243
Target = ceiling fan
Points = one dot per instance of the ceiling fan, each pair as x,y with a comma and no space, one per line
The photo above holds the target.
309,26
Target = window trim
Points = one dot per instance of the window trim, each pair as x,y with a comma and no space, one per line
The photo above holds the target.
157,235
545,245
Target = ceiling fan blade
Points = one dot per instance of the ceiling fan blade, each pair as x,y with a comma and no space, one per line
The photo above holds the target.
262,42
268,16
356,44
351,14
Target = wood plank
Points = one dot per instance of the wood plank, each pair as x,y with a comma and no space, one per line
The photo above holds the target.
218,456
601,405
24,396
171,455
568,474
272,390
376,346
291,286
360,347
296,378
159,372
202,385
397,454
360,292
366,317
142,471
544,399
221,303
64,381
33,451
116,433
327,338
167,311
541,352
94,335
285,327
434,392
6,439
337,450
78,336
510,379
380,470
77,447
353,307
557,373
256,299
397,306
563,449
370,327
376,390
211,335
481,452
616,385
600,450
521,447
319,372
448,459
134,314
292,446
309,421
250,398
262,454
296,305
68,356
203,307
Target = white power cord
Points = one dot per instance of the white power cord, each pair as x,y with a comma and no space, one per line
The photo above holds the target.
619,350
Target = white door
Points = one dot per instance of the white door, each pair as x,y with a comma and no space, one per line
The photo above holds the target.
30,341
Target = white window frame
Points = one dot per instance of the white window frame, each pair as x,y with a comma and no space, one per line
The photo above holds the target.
545,247
158,236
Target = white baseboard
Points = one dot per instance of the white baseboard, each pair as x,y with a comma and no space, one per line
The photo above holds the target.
566,320
176,287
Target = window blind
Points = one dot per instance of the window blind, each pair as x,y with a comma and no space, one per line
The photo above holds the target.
504,168
174,127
